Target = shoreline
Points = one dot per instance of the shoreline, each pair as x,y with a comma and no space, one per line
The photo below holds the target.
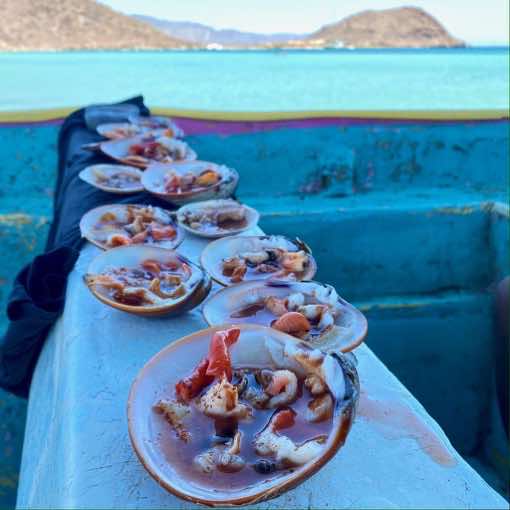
438,49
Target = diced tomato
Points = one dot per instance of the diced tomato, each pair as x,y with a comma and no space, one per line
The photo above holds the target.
172,184
215,365
152,266
283,419
219,357
159,233
190,387
136,149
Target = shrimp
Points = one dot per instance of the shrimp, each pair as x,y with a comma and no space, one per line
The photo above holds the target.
314,384
276,306
238,273
294,261
320,408
222,401
270,443
118,240
282,387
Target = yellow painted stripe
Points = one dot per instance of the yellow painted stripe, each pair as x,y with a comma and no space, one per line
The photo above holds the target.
58,113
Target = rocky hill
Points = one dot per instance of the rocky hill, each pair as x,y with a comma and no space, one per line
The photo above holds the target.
74,24
403,27
197,33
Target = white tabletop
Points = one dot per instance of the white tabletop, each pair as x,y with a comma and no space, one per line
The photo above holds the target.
77,452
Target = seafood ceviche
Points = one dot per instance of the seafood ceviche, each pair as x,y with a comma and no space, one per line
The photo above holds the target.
150,283
232,426
277,262
190,181
163,149
139,225
305,315
120,179
158,123
121,131
211,218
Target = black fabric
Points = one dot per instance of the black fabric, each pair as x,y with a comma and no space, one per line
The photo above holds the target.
38,294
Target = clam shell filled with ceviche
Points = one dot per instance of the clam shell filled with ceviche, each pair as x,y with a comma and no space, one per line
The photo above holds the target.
246,258
237,414
146,280
310,311
109,226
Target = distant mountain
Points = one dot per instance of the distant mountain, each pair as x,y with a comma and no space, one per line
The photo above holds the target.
403,27
204,35
33,25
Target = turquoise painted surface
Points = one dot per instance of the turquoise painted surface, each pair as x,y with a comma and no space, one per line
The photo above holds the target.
400,217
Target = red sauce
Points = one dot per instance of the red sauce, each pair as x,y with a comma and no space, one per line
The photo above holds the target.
397,420
202,429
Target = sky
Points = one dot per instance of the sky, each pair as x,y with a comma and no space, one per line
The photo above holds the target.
474,21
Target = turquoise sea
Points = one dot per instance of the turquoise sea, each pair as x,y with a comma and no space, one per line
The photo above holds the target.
472,78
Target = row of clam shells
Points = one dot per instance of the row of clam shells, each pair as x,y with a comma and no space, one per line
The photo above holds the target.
264,293
266,281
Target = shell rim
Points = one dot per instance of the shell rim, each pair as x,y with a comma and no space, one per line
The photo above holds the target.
202,283
118,191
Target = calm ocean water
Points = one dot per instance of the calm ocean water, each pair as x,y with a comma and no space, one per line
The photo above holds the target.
256,80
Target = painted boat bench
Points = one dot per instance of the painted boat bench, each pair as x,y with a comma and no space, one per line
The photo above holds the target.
77,453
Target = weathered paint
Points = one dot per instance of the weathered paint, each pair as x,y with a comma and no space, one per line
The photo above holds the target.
405,218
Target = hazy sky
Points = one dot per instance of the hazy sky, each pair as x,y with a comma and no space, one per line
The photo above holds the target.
475,21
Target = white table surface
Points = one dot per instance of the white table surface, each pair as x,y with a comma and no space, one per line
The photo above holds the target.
77,452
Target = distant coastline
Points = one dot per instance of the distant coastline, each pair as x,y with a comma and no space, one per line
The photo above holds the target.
460,49
65,25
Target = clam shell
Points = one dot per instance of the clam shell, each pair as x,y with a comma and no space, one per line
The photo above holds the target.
214,253
153,176
91,218
87,175
350,326
133,256
163,123
106,129
252,218
119,150
254,348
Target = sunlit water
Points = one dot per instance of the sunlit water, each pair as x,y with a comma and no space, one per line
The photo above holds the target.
257,80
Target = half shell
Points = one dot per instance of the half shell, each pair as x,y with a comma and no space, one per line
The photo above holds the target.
119,150
89,175
215,252
118,130
214,231
90,220
156,122
348,331
257,346
153,181
197,286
